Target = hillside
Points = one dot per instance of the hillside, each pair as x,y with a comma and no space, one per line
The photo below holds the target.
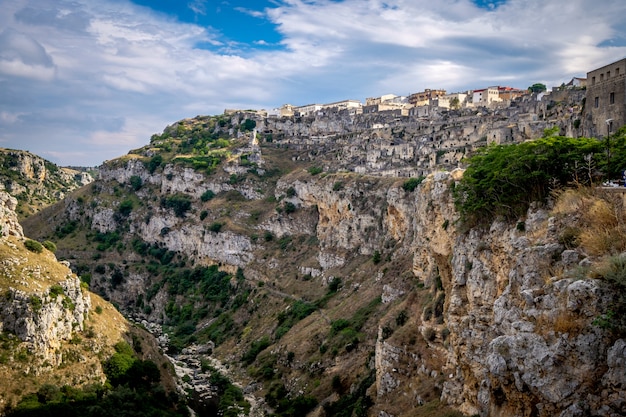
35,182
334,292
56,338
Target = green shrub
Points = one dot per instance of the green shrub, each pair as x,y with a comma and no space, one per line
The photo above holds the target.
55,291
314,170
291,192
125,208
334,284
412,183
502,180
33,246
289,207
613,271
248,125
36,303
377,257
51,246
254,350
216,227
180,203
155,162
207,195
136,182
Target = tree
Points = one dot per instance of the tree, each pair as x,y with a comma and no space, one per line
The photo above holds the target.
537,88
248,125
502,180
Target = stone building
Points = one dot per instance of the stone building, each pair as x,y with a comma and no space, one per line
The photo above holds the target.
423,98
606,99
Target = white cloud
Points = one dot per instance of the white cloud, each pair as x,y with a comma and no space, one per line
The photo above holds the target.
253,13
197,6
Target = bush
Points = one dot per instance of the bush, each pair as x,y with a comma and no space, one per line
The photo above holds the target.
248,125
254,350
216,227
154,163
502,180
314,170
377,257
289,207
125,208
51,246
613,271
291,192
33,246
207,195
412,183
136,182
180,203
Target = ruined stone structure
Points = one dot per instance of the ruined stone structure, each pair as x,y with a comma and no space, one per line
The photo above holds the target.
606,99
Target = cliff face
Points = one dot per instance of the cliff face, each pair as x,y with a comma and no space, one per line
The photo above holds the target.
36,182
516,335
342,275
48,332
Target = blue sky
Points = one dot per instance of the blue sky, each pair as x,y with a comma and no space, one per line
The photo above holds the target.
83,81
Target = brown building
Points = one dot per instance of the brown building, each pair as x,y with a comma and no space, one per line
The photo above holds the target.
423,98
606,99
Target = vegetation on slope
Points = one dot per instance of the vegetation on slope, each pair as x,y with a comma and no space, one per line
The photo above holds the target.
132,389
503,180
302,342
35,182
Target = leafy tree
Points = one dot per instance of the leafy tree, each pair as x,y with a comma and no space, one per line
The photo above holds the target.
207,195
248,125
502,180
180,203
125,208
154,163
136,182
537,88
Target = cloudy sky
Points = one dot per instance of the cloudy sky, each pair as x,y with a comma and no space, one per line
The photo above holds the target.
83,81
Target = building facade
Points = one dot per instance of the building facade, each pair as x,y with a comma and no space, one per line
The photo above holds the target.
605,102
423,98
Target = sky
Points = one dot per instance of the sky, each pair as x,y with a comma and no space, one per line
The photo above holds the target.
84,81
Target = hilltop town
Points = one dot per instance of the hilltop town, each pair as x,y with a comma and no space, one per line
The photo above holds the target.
430,130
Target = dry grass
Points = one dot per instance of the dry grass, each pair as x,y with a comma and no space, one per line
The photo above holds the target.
565,323
595,219
21,372
28,271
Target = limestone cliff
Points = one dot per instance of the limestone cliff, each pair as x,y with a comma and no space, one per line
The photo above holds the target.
35,182
48,332
314,281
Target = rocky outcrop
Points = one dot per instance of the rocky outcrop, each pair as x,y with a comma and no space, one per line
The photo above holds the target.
45,319
37,182
522,340
9,224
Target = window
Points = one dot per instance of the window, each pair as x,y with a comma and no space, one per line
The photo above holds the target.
616,71
596,102
601,77
612,98
608,74
593,80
